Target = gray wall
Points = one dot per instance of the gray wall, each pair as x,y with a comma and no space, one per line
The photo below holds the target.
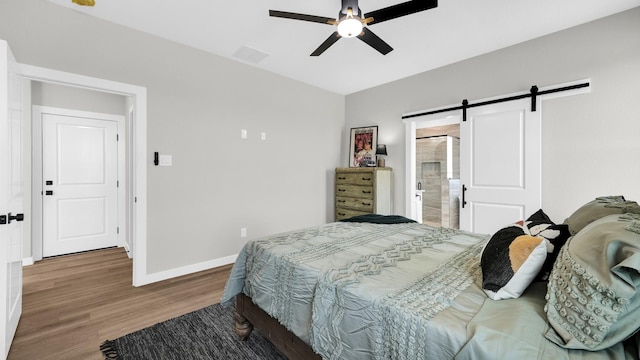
590,142
197,105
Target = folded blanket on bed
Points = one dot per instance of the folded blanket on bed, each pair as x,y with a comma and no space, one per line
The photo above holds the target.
379,219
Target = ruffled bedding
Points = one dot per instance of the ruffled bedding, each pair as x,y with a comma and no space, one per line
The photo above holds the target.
392,291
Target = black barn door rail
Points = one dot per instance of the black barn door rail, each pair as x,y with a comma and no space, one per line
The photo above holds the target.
533,94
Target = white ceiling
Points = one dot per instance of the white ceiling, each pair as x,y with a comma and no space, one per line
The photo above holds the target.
455,30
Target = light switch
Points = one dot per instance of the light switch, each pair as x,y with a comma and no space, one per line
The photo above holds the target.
243,133
166,160
263,135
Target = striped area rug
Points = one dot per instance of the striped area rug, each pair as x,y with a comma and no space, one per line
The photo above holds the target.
203,334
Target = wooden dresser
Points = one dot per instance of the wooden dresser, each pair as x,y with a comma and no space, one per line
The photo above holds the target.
363,190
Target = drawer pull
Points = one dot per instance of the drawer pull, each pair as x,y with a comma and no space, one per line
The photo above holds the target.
366,192
342,190
342,178
342,214
366,204
342,201
366,179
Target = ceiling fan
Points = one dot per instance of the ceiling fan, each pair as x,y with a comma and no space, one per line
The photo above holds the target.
351,22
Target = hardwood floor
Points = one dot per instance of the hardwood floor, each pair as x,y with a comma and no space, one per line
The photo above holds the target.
71,304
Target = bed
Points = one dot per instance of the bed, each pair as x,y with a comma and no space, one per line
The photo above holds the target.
380,287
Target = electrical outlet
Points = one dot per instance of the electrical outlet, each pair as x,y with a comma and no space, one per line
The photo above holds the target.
263,135
243,133
243,232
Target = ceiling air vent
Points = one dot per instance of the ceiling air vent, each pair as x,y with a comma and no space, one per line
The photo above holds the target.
249,54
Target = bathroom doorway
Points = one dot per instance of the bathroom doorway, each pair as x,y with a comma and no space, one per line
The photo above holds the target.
438,174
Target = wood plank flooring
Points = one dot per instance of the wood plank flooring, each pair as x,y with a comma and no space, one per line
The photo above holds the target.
71,304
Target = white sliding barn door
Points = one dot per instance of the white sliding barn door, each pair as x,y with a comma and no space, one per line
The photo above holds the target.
11,199
500,165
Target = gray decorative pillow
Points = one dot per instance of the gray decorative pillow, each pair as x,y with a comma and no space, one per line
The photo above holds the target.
593,295
598,208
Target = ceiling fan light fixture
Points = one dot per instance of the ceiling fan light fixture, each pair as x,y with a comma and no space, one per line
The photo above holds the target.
350,27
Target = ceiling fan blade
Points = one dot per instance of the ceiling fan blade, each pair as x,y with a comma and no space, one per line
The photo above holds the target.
374,41
304,17
396,11
325,45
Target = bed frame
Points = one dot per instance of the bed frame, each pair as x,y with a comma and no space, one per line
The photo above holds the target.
248,315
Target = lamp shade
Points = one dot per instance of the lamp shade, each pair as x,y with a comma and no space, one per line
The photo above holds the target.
381,149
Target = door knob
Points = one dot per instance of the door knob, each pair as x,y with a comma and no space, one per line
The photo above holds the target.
16,217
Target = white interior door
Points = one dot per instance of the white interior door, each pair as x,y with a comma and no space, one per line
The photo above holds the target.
500,165
80,180
11,199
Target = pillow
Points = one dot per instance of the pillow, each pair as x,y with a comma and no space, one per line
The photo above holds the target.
598,208
593,295
510,261
556,236
505,273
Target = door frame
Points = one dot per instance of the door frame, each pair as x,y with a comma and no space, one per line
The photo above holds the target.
37,209
410,130
137,204
411,125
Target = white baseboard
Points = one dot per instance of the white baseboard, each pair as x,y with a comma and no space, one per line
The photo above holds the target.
127,249
27,261
186,270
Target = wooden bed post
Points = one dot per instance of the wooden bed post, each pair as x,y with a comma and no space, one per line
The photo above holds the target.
243,326
249,315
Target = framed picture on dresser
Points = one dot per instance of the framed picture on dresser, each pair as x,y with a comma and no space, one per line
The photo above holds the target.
362,148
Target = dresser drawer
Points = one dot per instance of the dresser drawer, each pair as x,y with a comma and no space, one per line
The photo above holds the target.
354,178
355,203
342,213
362,190
354,191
